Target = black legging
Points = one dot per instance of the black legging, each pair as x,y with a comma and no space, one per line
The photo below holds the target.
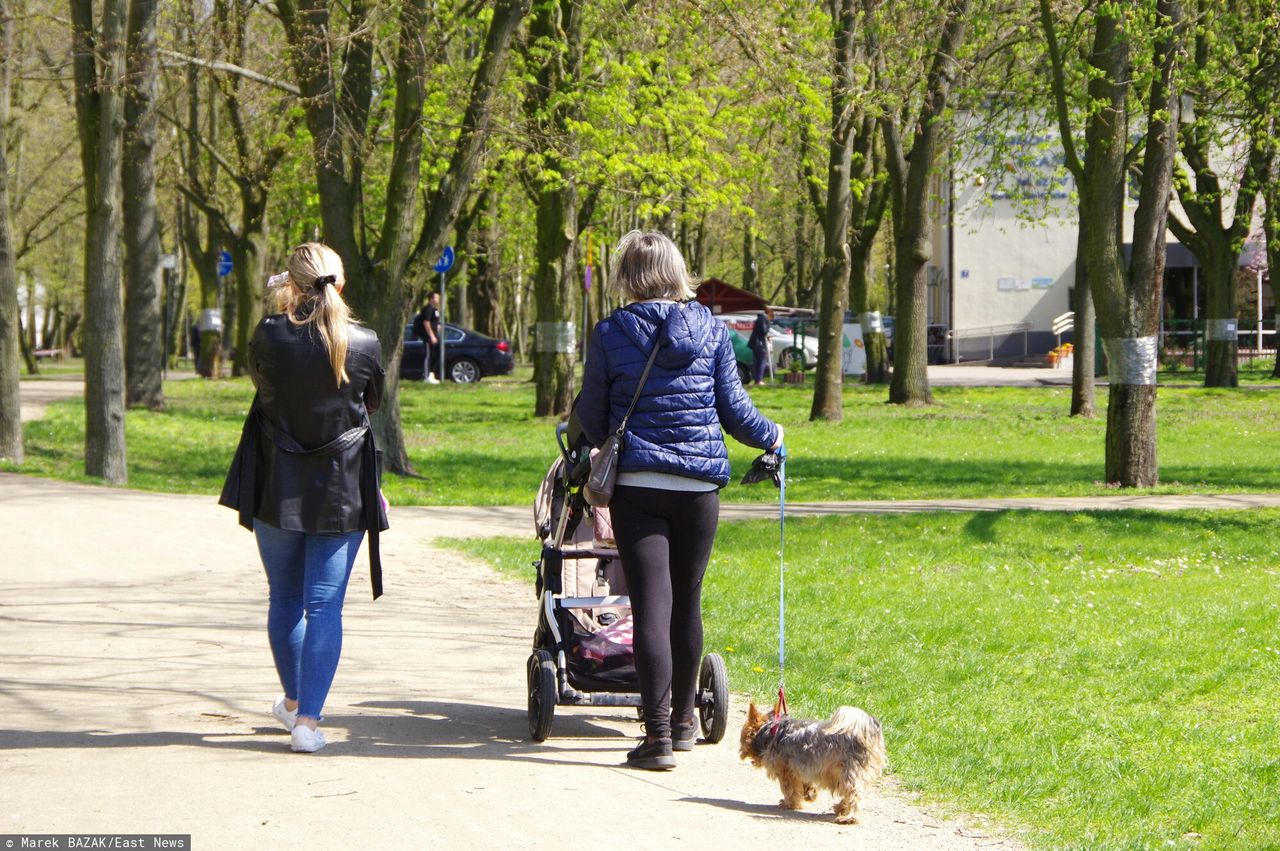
664,542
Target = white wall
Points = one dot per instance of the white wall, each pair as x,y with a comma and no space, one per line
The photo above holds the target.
1007,270
1033,252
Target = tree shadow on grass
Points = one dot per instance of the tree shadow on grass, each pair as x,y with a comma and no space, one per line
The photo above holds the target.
984,525
935,477
925,478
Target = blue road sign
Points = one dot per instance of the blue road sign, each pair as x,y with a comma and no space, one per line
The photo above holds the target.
445,263
224,264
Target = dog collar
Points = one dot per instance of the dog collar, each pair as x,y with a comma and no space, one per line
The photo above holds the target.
768,732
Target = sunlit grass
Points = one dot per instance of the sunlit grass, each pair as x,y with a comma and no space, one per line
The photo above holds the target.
1107,680
481,444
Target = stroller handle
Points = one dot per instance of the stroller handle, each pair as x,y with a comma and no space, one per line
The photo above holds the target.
562,429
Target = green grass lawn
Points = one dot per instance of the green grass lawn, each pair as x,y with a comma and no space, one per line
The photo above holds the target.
55,368
1102,680
481,444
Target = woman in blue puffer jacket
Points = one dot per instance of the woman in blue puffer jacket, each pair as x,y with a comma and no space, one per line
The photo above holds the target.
673,464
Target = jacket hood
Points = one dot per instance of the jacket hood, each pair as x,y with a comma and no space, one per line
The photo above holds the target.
684,329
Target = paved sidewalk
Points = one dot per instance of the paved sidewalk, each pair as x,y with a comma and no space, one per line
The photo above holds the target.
135,681
35,394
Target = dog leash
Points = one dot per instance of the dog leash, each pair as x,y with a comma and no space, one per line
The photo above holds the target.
773,465
780,708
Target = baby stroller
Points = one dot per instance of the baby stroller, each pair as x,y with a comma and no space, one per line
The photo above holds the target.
582,652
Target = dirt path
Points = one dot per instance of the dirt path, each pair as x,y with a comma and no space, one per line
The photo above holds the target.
35,394
135,675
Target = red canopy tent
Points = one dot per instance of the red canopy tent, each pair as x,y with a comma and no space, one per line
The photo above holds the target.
726,298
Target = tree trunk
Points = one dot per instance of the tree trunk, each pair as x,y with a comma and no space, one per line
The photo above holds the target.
750,280
33,367
1126,299
700,250
556,28
249,256
555,293
46,325
10,403
828,400
1221,340
486,280
378,281
1131,445
910,383
1083,331
801,248
100,116
1271,228
1202,193
249,250
388,323
875,344
867,216
209,355
30,326
909,174
144,350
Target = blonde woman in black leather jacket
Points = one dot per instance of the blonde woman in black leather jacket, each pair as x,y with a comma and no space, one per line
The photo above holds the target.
304,477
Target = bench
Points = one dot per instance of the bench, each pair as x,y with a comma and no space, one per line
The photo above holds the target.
52,354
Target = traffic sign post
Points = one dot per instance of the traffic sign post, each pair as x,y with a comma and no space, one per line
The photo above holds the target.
444,264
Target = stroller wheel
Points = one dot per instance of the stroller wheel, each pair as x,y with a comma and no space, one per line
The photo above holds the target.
713,698
542,694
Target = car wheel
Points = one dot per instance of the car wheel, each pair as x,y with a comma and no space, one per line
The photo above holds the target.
464,371
788,355
744,373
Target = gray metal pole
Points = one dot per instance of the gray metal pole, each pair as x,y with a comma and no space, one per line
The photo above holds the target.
440,341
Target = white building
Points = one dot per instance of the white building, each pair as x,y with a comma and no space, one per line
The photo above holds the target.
1004,257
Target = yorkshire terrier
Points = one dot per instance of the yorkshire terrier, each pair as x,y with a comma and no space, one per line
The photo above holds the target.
843,755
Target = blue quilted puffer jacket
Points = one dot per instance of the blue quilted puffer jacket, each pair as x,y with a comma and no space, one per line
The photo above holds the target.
693,392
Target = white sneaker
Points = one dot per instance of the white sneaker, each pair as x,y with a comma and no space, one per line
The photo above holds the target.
431,379
284,716
306,740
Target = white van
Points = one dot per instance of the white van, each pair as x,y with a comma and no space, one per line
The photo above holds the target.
783,346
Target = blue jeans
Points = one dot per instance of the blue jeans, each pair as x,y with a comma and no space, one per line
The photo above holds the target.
307,578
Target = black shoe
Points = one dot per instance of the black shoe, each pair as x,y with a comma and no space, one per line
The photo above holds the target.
684,736
652,755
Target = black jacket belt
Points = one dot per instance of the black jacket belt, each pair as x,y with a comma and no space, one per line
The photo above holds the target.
247,461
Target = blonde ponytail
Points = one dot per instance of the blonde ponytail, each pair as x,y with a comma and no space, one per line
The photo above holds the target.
314,290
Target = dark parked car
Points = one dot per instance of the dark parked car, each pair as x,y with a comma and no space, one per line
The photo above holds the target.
470,356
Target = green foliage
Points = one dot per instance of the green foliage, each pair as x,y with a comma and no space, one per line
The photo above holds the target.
1090,680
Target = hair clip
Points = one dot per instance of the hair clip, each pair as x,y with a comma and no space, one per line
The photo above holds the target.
277,280
325,279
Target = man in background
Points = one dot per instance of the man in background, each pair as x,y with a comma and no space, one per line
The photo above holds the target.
426,327
759,345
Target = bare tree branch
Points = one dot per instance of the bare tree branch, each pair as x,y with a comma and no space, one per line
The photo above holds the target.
228,68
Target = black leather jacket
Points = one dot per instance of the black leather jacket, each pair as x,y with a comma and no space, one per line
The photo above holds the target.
306,460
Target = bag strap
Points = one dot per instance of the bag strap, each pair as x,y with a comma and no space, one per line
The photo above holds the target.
644,376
